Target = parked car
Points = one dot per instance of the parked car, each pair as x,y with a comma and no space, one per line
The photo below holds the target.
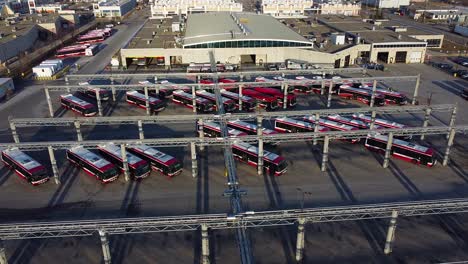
272,67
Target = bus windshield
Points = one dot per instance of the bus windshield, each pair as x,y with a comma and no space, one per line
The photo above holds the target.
142,169
90,110
39,175
109,173
281,166
175,167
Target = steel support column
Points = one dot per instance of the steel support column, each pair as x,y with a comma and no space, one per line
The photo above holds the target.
316,128
194,102
205,244
49,102
14,133
453,118
300,240
325,153
285,96
416,90
98,100
449,145
391,233
388,150
330,90
193,151
260,146
372,122
53,162
374,88
201,134
141,132
3,258
105,247
322,88
427,115
240,97
79,136
114,94
147,103
123,152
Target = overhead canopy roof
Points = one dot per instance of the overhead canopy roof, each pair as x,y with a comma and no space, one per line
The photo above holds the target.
225,26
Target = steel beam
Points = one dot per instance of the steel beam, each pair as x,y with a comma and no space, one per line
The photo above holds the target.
300,240
330,90
49,102
79,136
141,132
53,162
325,153
98,101
427,115
123,152
449,145
260,145
14,132
193,151
105,247
205,244
391,233
374,88
147,104
388,150
416,89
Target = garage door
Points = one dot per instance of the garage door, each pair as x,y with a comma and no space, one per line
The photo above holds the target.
415,57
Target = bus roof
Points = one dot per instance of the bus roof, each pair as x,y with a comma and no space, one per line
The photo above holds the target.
75,100
212,96
74,47
406,144
231,131
116,151
358,90
160,156
22,158
252,149
347,119
236,95
142,96
91,157
296,122
189,96
382,122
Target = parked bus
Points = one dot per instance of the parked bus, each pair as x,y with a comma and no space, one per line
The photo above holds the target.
137,167
91,38
249,128
104,94
361,95
289,125
291,100
163,92
348,121
272,162
92,50
265,101
139,99
333,126
158,160
404,150
77,105
229,105
72,51
303,86
248,103
183,98
25,166
378,121
212,129
391,97
93,164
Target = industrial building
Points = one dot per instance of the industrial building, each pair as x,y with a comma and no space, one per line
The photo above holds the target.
113,8
301,8
165,8
245,38
386,3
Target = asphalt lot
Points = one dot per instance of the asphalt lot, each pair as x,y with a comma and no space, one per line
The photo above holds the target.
354,176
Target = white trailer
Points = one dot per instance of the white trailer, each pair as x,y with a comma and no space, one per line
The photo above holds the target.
43,71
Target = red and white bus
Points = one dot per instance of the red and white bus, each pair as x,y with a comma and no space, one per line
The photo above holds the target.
229,105
248,103
291,100
378,121
183,98
77,51
332,125
289,125
391,97
349,121
25,166
91,38
137,167
302,85
93,164
361,95
265,101
204,67
212,129
139,99
272,162
222,80
163,93
159,161
77,105
404,150
249,128
104,94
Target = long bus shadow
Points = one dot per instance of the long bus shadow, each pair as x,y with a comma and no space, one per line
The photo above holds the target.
454,229
111,106
60,112
341,186
374,238
5,173
447,88
453,165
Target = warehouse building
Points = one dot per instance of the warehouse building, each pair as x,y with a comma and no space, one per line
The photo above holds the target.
245,38
386,3
113,8
286,8
165,8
